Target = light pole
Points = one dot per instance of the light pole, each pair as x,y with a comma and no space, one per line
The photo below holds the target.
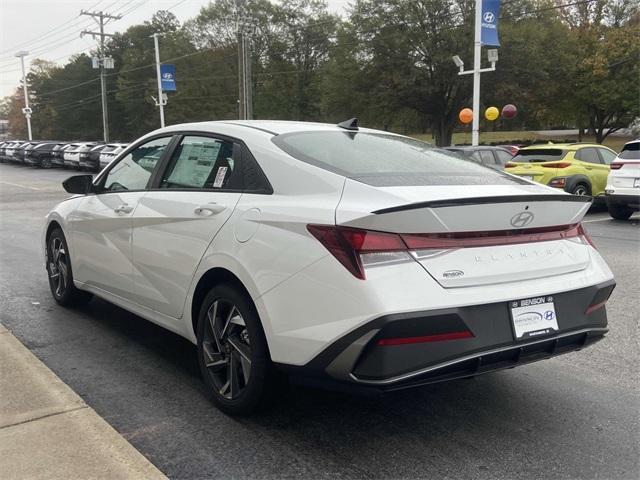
160,102
26,110
477,63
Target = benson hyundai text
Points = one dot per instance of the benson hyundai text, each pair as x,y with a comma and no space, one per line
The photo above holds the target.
330,253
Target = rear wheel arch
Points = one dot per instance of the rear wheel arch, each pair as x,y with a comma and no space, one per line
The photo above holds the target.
211,278
52,226
573,181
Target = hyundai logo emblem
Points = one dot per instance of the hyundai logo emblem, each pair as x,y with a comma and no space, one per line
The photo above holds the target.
488,17
522,219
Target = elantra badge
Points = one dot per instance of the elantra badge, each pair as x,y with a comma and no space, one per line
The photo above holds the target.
521,219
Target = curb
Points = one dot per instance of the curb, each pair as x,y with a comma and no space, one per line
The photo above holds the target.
47,431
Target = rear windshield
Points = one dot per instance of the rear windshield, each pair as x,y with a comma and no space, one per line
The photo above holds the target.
631,151
539,155
386,160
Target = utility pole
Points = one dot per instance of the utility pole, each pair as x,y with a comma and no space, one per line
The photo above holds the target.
102,19
26,110
160,102
245,26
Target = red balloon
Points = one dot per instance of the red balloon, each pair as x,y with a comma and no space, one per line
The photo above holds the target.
509,111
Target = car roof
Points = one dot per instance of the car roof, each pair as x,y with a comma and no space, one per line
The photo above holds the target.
563,146
273,127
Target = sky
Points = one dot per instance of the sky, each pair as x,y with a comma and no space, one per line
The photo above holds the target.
50,29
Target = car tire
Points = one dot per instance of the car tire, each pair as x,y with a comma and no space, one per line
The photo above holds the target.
233,354
581,189
60,273
619,212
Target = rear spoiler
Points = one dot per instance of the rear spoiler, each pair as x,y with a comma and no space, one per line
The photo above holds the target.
458,202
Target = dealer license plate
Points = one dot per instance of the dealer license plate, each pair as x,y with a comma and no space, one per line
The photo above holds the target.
533,317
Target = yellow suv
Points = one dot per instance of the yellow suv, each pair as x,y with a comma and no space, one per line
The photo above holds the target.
578,168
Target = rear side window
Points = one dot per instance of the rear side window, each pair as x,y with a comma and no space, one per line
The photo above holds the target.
203,162
539,155
589,155
631,151
386,160
486,157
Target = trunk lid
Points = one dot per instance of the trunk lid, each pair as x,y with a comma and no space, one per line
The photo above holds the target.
470,215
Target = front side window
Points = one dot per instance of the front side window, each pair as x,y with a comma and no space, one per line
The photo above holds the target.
386,160
134,170
202,163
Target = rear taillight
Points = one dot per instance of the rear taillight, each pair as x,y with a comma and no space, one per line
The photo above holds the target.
349,245
582,233
558,182
556,165
356,248
616,165
510,165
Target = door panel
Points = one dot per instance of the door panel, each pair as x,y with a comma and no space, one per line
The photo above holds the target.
172,230
101,232
175,223
102,225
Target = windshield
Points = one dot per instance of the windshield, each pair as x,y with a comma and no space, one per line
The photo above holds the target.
631,151
539,155
386,160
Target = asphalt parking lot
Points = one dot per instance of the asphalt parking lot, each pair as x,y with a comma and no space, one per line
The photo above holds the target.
575,416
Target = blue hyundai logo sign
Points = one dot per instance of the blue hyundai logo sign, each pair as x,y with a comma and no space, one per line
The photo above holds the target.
489,24
168,77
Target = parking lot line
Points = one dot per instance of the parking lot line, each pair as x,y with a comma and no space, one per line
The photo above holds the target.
21,186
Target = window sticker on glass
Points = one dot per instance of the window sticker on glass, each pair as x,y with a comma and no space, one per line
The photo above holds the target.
222,171
195,163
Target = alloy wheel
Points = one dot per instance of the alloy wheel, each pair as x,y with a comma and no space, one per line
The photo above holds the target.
580,190
226,349
58,270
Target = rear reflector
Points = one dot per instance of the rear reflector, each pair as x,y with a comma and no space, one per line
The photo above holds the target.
349,245
555,165
593,308
441,337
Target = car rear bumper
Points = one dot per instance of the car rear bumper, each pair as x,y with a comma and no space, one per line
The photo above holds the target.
631,201
359,360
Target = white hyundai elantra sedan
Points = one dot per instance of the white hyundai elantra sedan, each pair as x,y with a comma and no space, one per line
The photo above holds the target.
331,254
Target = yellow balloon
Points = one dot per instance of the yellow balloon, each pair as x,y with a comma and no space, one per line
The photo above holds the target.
491,114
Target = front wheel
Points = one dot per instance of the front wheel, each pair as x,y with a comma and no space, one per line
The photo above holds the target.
60,274
232,352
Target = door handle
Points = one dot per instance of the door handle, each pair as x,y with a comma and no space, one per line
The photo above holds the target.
209,209
124,208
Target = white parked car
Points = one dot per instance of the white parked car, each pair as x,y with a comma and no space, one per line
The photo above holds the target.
623,183
110,152
333,253
76,153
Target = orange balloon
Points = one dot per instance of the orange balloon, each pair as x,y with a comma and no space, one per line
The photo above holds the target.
466,115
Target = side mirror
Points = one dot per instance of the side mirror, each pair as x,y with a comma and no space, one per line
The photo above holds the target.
81,184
